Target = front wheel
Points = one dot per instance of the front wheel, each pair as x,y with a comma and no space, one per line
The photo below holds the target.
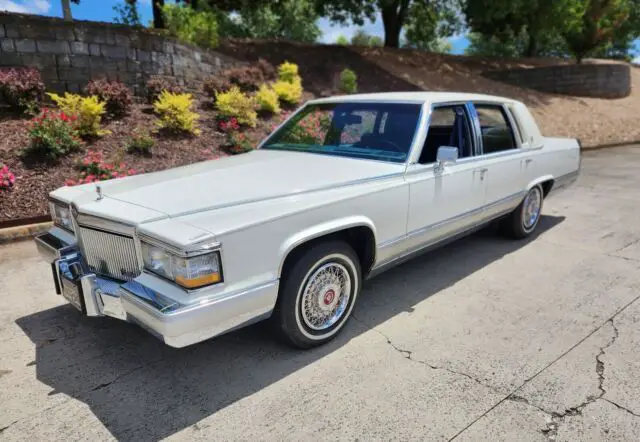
317,293
524,219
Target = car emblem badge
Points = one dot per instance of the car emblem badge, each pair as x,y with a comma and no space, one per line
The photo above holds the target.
329,296
99,191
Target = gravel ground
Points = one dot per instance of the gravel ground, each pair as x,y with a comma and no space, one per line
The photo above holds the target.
486,339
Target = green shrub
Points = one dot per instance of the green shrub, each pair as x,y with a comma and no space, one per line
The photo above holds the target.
175,112
288,72
267,99
155,86
192,26
288,92
116,95
348,82
87,110
140,143
52,135
235,103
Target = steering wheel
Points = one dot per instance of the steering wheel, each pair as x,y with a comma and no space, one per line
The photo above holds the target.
389,143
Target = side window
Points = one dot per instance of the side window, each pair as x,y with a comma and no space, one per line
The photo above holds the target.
497,134
448,126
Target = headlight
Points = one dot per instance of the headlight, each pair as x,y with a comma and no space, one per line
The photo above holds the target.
189,272
61,215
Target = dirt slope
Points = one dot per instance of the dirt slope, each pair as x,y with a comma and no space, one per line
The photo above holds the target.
594,121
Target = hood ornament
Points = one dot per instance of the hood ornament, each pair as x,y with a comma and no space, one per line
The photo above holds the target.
99,192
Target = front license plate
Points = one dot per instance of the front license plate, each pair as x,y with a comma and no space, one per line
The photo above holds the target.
71,293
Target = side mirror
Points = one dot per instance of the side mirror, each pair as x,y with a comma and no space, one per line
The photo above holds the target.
446,155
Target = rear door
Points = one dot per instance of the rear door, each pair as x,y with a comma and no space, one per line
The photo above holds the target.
503,158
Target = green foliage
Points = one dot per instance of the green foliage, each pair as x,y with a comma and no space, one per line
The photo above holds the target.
348,81
140,143
127,13
192,26
287,19
342,40
52,135
87,110
175,112
429,25
288,72
288,92
362,38
267,99
235,103
600,21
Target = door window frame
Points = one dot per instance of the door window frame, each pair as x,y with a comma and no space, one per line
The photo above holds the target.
509,119
474,131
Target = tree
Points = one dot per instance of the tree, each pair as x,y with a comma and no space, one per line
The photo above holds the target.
427,28
362,38
394,13
158,18
128,13
601,23
288,19
342,40
503,20
66,9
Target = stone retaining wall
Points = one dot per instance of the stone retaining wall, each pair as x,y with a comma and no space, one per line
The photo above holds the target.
69,54
585,80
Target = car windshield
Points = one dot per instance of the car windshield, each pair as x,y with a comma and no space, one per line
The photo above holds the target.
375,131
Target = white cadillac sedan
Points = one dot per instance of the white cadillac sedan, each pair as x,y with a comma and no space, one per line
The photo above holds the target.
345,188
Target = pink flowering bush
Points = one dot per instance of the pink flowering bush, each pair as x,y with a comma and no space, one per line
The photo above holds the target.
52,135
7,178
228,125
312,129
93,168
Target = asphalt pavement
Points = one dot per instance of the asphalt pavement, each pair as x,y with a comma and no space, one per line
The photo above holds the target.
486,339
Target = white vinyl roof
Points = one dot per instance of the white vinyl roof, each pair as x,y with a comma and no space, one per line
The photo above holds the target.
414,97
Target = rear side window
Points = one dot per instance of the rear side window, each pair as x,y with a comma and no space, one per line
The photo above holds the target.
497,133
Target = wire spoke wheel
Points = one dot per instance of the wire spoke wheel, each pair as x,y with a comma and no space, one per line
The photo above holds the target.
325,296
531,208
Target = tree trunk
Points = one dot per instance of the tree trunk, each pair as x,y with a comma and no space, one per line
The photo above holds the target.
532,46
158,18
66,10
393,17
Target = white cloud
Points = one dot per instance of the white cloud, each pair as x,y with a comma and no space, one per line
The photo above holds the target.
636,60
26,6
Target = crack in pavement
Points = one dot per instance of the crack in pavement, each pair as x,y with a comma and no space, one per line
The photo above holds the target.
621,407
408,354
552,426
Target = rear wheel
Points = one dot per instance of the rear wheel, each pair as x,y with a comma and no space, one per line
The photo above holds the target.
524,219
317,294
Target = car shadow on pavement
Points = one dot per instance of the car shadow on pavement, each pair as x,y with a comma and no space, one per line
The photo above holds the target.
141,389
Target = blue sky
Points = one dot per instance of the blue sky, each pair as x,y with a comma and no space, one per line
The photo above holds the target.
103,10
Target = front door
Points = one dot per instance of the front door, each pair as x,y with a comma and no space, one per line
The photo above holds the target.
448,201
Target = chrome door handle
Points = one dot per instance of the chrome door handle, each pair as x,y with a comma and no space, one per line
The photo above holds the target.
528,160
482,172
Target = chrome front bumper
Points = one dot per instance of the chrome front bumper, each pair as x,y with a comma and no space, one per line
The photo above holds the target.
178,325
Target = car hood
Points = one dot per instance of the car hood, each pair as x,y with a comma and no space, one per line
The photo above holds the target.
241,179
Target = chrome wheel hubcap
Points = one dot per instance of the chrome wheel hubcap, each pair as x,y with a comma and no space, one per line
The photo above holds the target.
326,296
531,208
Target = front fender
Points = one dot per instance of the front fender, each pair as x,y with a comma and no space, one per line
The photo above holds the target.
320,230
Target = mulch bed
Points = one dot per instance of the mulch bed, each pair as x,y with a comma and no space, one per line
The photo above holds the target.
29,195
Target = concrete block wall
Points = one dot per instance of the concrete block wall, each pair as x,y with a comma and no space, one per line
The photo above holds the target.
606,80
69,54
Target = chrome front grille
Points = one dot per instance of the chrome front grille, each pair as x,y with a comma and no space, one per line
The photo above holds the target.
110,254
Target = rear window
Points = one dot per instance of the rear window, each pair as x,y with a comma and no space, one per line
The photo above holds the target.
497,134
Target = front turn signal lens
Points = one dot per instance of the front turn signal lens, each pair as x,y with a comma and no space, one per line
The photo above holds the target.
197,271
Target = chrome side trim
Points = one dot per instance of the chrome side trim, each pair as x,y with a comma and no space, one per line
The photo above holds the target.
469,214
431,245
